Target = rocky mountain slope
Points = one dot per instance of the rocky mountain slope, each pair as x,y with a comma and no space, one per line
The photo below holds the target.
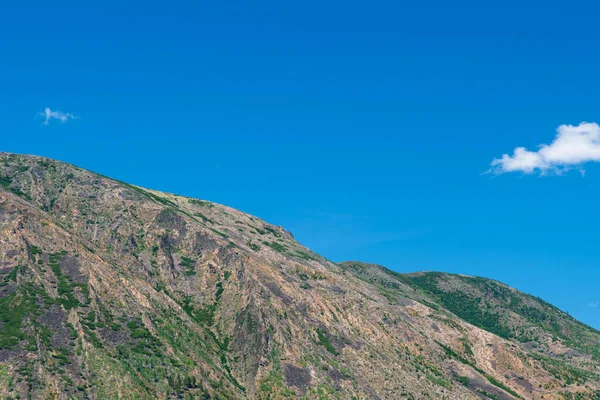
109,290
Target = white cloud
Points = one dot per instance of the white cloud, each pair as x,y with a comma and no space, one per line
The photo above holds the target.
48,114
594,304
572,147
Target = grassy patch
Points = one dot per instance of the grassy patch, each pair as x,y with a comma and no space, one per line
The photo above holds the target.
201,203
502,386
278,247
224,236
461,304
253,246
149,195
272,231
204,217
273,385
488,395
439,380
463,380
66,285
190,266
14,309
11,276
6,182
205,315
324,341
304,256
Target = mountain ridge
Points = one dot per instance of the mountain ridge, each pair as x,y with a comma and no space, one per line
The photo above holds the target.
112,290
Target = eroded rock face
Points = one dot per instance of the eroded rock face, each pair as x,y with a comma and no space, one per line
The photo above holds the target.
204,242
170,220
70,266
298,377
108,290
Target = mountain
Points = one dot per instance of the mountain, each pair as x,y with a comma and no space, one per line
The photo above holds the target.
110,290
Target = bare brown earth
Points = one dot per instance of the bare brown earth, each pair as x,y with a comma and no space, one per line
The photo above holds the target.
109,290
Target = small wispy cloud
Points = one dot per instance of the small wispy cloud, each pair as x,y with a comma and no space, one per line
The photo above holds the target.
49,115
594,304
572,147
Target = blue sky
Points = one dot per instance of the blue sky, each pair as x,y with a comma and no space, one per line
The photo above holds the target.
364,128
